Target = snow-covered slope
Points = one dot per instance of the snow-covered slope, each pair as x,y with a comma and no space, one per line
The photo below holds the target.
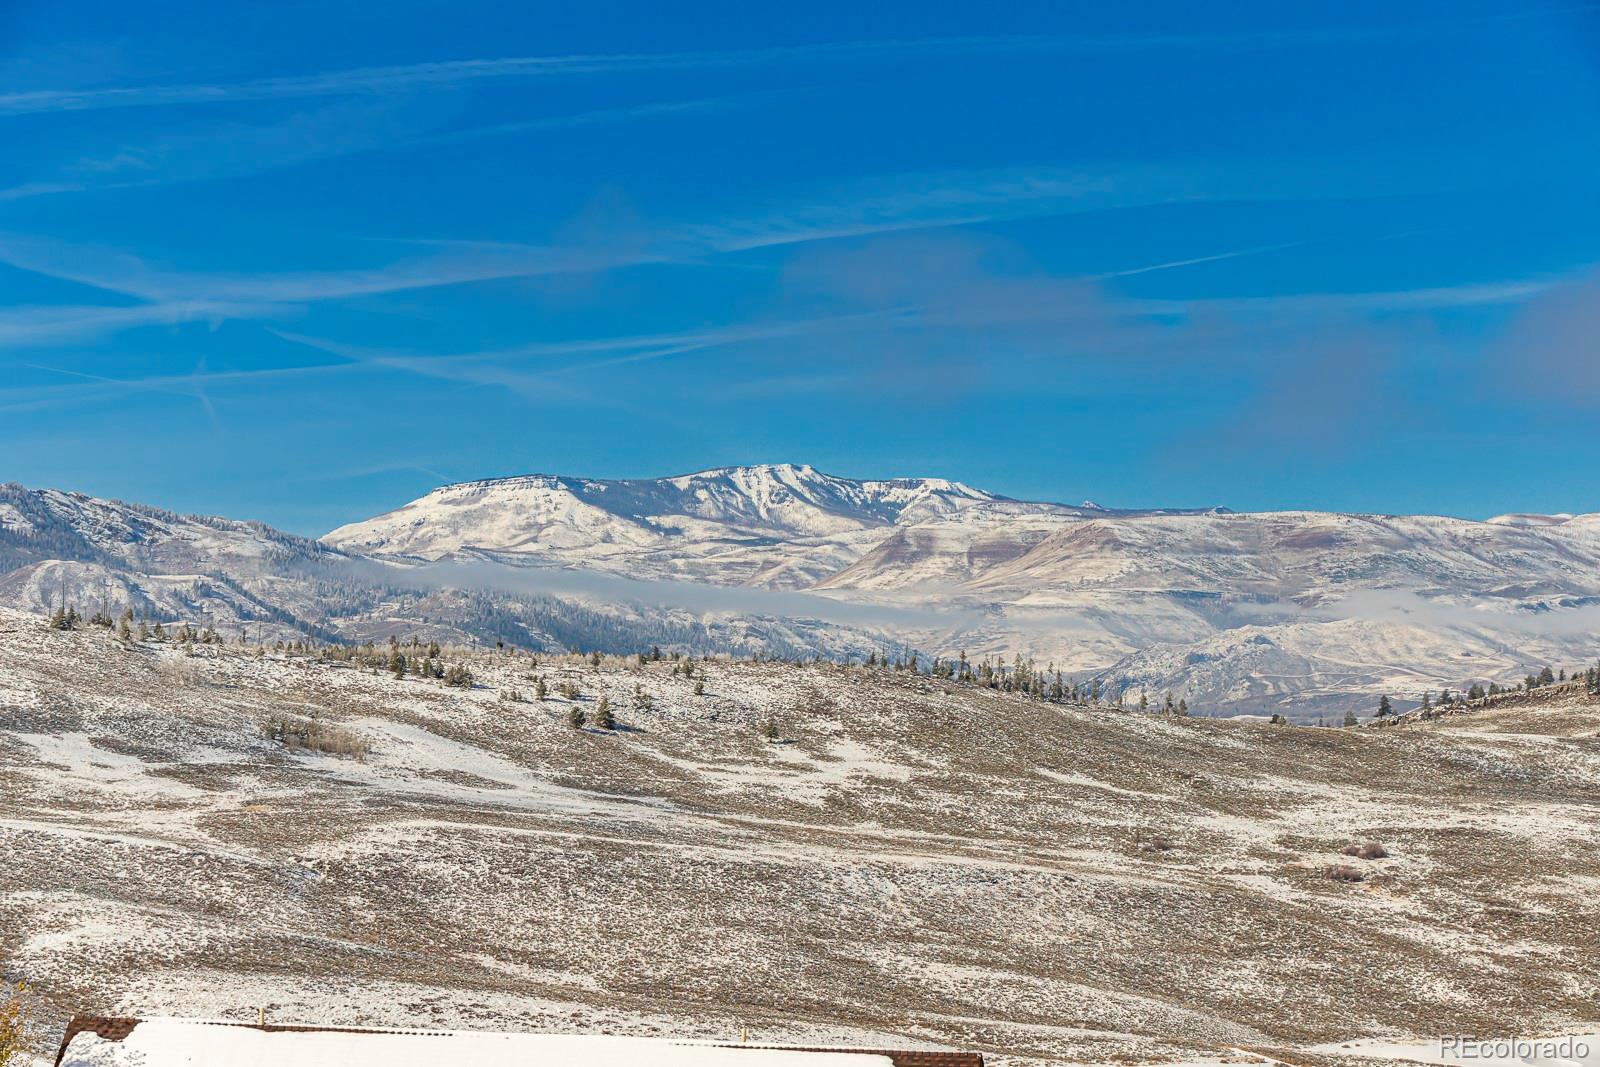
779,525
910,862
1302,612
103,556
1292,611
48,524
1296,610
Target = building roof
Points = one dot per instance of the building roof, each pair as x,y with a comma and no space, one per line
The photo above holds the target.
94,1041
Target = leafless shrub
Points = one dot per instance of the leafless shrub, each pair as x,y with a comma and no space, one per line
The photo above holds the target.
1343,872
293,733
179,673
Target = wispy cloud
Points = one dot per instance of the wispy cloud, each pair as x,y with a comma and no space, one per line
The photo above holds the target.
225,149
92,388
555,360
1175,264
51,324
885,205
410,77
128,275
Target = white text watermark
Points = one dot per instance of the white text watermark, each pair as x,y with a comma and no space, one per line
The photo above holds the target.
1514,1048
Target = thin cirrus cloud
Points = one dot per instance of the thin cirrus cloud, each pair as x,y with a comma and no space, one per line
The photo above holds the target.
439,74
232,149
50,324
884,205
409,77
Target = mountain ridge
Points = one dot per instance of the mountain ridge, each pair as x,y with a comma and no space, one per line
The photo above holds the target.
1299,610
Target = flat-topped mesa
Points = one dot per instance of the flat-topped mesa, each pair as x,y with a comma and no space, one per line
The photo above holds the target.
542,513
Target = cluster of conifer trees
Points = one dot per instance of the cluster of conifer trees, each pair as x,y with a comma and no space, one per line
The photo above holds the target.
1479,693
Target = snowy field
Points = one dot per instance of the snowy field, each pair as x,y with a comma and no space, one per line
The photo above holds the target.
908,863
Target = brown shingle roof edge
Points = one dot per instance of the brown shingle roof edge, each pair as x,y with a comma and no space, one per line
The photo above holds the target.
115,1028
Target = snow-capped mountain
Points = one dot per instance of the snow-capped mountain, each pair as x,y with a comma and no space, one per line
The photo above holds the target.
102,556
50,524
1295,611
777,525
1239,610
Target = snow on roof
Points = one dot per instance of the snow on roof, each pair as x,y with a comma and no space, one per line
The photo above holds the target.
96,1042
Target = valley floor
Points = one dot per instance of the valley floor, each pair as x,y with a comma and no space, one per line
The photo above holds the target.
909,862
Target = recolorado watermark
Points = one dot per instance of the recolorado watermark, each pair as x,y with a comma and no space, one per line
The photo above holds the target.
1463,1047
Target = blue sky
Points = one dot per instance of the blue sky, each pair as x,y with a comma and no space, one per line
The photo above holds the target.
297,263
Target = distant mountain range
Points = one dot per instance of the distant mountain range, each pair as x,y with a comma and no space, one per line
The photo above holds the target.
1239,612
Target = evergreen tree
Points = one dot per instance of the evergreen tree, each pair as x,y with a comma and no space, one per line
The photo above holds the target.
575,717
603,719
1350,717
540,690
700,687
770,730
1385,709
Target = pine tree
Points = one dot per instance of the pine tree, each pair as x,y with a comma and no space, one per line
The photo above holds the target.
1183,706
700,687
770,730
575,717
540,690
1350,717
1384,707
603,719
